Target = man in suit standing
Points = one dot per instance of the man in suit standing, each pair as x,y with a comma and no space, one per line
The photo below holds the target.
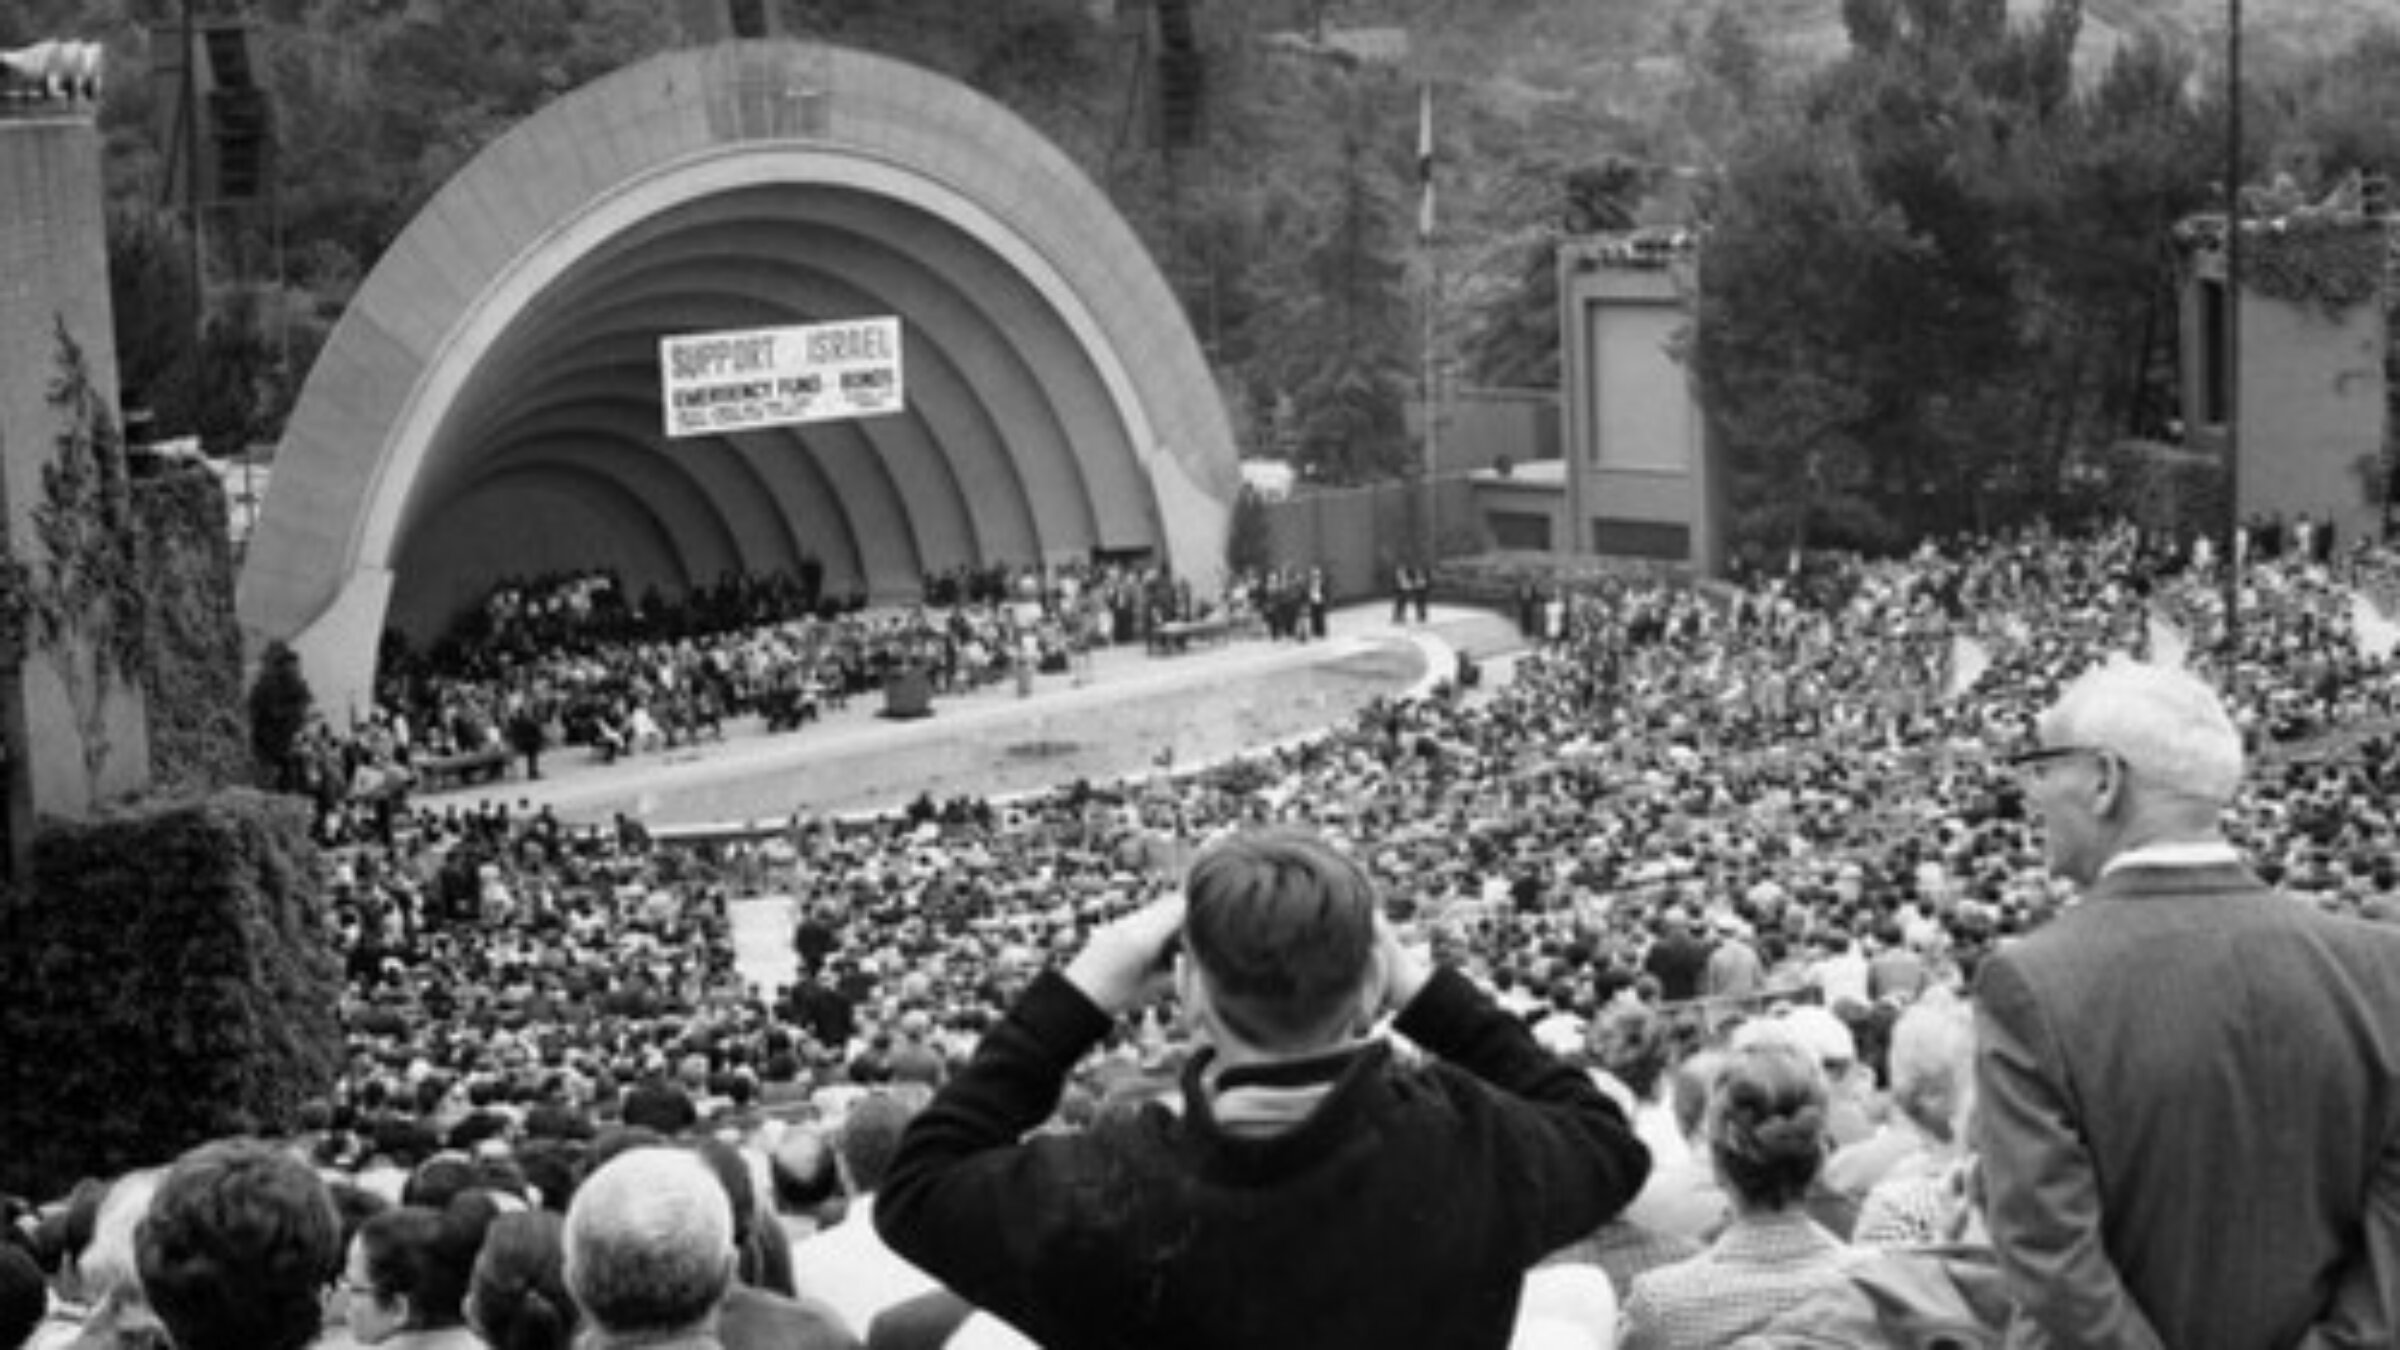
2189,1084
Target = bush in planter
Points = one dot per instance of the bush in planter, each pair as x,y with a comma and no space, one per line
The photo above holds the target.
167,977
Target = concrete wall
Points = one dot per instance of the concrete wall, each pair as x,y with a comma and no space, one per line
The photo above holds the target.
1480,427
2311,405
53,272
529,527
1640,469
1525,512
1359,535
1643,414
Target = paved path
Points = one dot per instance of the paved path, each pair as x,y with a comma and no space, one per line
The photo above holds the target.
1131,715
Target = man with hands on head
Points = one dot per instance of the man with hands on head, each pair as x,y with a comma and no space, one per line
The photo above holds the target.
1314,1190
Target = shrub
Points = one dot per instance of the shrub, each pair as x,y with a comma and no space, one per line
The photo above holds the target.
1249,546
167,977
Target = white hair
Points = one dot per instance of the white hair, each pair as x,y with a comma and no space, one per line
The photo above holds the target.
2165,723
649,1242
1933,1062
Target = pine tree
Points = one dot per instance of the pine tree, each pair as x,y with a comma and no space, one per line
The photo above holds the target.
280,701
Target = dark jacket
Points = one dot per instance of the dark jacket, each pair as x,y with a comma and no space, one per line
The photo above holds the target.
1403,1210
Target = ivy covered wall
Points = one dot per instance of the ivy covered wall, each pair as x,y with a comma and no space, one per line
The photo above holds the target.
199,733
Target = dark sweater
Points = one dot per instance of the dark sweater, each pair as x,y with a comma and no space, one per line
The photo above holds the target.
1402,1212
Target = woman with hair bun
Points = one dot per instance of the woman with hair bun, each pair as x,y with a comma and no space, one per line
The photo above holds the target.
1767,1139
518,1298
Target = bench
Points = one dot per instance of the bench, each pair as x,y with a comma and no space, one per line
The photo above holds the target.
474,766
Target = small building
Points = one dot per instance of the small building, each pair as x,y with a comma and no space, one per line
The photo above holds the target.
2304,391
1643,478
1621,463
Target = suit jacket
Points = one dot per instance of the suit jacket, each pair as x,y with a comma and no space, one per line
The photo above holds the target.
754,1319
2189,1115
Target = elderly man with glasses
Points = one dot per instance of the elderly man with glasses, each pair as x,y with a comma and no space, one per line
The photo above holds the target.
2189,1083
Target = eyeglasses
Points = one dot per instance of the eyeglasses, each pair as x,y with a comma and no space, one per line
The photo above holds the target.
2032,762
2051,754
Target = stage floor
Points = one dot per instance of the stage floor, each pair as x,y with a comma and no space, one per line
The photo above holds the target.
1131,715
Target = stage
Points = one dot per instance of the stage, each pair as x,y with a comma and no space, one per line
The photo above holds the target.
1129,714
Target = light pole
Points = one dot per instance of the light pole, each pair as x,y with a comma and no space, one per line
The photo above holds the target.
191,210
1430,543
2233,334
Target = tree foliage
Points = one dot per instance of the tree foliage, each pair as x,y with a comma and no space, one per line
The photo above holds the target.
2346,111
150,289
192,675
280,702
1946,272
1249,545
2029,183
1343,336
1514,339
1789,358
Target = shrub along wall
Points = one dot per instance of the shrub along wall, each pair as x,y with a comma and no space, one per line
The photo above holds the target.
168,977
199,735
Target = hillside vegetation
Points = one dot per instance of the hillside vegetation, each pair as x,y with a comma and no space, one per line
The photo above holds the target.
1287,224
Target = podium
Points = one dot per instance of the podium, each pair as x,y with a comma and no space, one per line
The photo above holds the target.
907,693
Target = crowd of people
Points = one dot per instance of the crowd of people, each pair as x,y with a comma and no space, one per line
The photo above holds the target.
570,663
1740,853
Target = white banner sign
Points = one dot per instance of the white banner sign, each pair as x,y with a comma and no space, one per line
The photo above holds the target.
777,377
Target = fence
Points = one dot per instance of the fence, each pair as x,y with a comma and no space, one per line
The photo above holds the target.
1359,535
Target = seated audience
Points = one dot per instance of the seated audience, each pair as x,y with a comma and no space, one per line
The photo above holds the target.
1786,761
1920,1197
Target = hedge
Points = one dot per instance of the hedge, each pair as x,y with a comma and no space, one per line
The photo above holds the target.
168,977
199,729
